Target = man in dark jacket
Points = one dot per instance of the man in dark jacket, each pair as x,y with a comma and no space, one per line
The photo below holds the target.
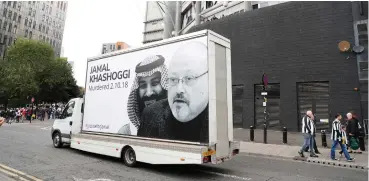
353,129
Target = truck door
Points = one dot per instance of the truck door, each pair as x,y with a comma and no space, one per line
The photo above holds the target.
66,119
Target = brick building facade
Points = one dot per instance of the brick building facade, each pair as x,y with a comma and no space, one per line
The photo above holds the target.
296,45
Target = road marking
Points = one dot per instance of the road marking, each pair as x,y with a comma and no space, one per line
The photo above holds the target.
19,172
226,175
13,175
47,128
97,179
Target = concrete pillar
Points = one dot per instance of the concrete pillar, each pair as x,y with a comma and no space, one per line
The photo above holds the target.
169,14
178,17
197,12
248,6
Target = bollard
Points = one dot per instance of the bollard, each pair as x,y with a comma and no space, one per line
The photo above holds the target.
284,135
265,134
324,139
251,133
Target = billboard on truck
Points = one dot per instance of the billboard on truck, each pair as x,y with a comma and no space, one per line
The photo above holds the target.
160,92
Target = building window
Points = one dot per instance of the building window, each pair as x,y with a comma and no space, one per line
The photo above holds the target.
61,5
50,10
34,13
15,4
255,6
10,41
237,102
47,9
58,4
9,3
5,12
10,14
10,27
5,39
5,25
30,34
272,108
43,18
15,29
34,25
26,33
1,22
43,6
26,22
15,16
64,7
361,38
19,18
313,96
43,28
30,12
30,23
19,6
119,47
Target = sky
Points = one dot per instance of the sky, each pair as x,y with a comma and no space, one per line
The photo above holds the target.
90,23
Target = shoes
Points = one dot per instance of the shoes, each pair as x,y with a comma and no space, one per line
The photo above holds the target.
311,155
351,160
301,153
335,159
317,152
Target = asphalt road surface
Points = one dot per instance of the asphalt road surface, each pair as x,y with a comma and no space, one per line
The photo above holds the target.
28,148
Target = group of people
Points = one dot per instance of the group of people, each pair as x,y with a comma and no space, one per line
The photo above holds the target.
345,134
22,114
17,114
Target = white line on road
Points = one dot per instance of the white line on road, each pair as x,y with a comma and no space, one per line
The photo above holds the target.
98,179
46,128
226,175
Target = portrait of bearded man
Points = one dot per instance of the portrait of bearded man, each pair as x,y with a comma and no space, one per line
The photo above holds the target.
149,86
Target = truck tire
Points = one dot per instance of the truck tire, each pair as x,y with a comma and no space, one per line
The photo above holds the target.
57,141
129,157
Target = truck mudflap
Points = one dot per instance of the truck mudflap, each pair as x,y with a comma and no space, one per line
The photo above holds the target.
210,156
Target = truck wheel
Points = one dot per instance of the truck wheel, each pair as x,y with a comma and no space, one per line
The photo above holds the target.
57,142
129,157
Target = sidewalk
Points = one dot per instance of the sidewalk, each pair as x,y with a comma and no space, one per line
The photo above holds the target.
290,152
275,137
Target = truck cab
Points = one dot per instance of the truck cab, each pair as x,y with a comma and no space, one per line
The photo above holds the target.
69,122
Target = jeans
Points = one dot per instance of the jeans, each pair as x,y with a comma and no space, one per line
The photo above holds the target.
308,142
343,147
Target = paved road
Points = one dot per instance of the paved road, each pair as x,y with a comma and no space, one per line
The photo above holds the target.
28,148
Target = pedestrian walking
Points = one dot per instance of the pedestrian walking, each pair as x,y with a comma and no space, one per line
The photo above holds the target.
308,131
353,130
337,137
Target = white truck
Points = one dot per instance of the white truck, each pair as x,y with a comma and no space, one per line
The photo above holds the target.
167,102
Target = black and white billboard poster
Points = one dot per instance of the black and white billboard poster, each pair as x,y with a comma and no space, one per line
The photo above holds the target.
160,92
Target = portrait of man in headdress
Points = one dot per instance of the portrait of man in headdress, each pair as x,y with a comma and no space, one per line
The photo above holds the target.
148,87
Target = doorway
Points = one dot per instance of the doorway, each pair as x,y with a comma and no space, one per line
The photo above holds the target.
314,96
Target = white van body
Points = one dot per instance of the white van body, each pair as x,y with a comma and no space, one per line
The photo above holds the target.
68,129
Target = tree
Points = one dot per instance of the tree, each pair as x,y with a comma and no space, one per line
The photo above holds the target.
58,83
31,70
